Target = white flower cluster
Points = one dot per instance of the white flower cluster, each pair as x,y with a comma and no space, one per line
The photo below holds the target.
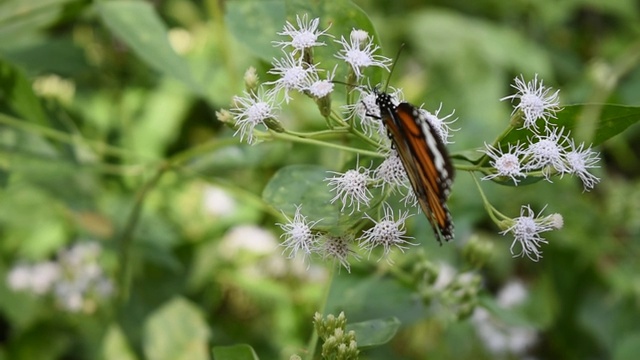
296,72
300,239
548,152
551,150
501,338
75,280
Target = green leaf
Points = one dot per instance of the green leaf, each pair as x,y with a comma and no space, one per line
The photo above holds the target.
363,297
375,332
627,348
613,120
115,345
17,93
139,26
234,352
20,17
176,331
255,24
305,185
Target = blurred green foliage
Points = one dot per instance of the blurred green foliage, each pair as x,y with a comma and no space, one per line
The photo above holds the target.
108,133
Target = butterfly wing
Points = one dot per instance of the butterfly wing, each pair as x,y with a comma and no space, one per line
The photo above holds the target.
426,161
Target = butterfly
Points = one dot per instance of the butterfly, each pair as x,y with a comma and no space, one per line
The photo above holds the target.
425,160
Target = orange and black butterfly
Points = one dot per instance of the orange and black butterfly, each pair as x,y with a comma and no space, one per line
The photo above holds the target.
424,157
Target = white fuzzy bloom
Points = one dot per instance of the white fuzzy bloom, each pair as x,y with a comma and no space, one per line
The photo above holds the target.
351,187
386,233
298,234
252,110
526,230
304,36
506,164
359,52
536,101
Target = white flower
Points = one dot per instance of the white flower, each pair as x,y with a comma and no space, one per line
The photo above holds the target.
411,200
252,110
82,281
359,52
367,111
292,73
249,239
19,277
441,126
500,337
304,36
351,187
547,152
337,248
446,275
218,202
391,171
75,279
512,294
320,88
43,276
298,234
526,230
506,164
358,35
579,160
37,278
387,232
536,102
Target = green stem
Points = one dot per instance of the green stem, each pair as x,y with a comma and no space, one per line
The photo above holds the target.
313,341
296,139
66,138
484,159
112,169
470,168
317,134
180,158
493,212
126,239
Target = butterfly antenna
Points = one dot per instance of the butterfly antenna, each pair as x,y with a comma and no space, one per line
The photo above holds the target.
393,66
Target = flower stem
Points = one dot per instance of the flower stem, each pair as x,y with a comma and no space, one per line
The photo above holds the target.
292,138
485,158
72,139
313,341
493,212
126,239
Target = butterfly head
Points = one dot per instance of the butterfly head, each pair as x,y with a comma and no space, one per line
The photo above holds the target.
383,100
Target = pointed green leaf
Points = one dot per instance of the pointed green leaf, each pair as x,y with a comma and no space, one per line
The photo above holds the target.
375,332
115,345
20,17
139,26
17,93
627,348
302,185
613,120
176,331
234,352
305,185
